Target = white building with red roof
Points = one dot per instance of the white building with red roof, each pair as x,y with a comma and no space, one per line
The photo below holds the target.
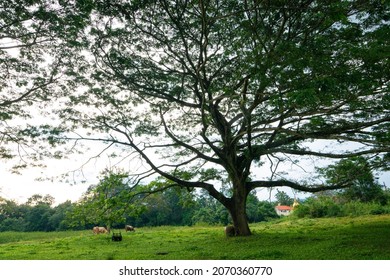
283,210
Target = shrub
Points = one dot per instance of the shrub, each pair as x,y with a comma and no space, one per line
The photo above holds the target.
318,207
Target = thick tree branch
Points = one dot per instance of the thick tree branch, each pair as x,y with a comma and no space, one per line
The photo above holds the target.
296,186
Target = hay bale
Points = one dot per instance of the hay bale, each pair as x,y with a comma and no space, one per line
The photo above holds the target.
230,231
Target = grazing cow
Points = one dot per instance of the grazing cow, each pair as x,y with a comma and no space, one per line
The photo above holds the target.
95,230
98,230
129,228
230,231
102,230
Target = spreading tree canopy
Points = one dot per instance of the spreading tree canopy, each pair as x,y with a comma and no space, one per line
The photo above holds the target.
204,92
36,38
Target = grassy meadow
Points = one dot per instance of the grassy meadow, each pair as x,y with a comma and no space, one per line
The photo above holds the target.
347,238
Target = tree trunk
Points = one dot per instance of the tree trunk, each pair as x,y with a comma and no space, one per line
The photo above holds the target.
237,210
236,205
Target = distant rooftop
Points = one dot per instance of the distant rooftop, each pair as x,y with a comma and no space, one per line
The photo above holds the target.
284,207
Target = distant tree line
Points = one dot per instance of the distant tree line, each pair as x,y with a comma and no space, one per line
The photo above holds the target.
37,214
177,208
168,208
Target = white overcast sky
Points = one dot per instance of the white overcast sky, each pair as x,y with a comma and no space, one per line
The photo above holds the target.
21,187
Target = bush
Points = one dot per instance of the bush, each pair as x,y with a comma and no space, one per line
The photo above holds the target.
356,208
13,224
319,207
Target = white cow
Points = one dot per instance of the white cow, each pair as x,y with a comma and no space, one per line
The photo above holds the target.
98,230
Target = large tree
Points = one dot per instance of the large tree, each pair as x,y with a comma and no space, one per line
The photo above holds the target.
205,92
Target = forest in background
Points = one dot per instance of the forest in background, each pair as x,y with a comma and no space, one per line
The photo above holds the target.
176,207
114,203
168,208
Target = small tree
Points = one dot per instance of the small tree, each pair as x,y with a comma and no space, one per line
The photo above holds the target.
12,215
106,203
38,199
58,219
37,218
283,198
362,183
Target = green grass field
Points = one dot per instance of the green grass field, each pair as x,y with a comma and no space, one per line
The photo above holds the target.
351,238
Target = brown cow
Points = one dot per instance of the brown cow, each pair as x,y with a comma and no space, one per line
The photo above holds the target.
129,228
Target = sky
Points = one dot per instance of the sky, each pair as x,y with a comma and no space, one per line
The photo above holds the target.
50,180
20,187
